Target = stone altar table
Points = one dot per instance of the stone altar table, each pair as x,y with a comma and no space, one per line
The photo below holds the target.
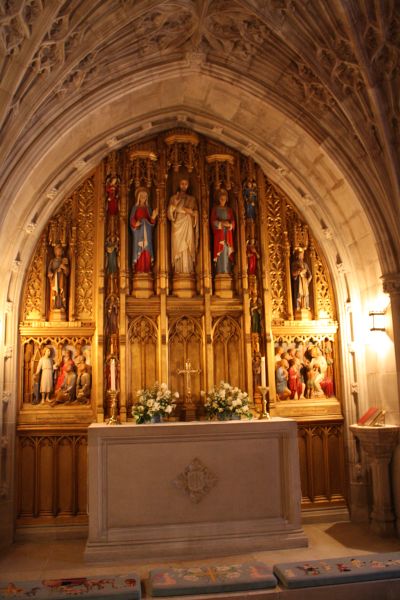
193,489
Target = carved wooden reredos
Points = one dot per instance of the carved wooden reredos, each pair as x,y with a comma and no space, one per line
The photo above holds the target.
92,290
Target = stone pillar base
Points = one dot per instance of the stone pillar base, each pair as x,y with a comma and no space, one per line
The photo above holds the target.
58,314
184,285
303,314
142,285
223,285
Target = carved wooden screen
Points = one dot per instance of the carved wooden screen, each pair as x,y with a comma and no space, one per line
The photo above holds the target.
52,475
143,355
186,342
228,352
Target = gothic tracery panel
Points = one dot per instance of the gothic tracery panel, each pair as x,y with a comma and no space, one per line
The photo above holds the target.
143,361
228,352
186,343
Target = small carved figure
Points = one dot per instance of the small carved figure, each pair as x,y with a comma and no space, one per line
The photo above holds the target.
319,365
66,393
112,191
58,273
252,256
223,225
281,376
255,314
310,374
294,381
328,353
83,384
44,371
301,278
141,224
183,214
111,255
250,198
62,368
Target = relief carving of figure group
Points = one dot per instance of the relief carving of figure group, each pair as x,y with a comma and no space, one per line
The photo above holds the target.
304,370
64,381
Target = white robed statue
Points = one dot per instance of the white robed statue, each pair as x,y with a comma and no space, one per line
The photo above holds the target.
183,214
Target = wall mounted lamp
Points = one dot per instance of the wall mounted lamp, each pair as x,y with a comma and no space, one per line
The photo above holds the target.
377,320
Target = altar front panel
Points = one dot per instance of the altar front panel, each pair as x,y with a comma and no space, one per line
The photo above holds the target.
245,497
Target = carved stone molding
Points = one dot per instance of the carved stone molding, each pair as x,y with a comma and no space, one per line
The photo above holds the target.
391,283
196,481
6,398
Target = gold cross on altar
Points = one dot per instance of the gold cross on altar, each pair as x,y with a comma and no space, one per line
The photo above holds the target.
188,371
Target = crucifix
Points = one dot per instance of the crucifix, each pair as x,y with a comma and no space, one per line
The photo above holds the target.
188,407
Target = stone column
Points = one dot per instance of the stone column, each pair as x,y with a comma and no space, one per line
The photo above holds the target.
378,444
391,286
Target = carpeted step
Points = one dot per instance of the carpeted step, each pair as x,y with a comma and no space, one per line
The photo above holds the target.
349,569
206,580
100,587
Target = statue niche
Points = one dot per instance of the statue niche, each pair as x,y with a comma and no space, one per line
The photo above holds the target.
301,278
223,224
58,273
184,217
142,223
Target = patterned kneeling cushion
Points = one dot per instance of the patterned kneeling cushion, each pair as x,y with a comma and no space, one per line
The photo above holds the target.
207,580
332,571
101,587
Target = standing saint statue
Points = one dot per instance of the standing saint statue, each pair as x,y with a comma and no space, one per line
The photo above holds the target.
44,373
142,223
301,278
183,214
223,225
57,273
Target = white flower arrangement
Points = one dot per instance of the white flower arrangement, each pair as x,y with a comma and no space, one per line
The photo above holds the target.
157,401
226,402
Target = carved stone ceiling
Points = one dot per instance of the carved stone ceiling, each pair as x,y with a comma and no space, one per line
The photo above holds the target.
337,62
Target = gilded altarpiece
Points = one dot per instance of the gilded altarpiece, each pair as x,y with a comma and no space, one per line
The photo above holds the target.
177,248
58,385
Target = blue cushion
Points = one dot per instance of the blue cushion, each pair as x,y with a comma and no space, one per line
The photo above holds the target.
101,587
367,567
207,580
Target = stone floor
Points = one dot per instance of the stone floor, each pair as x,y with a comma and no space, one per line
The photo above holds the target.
27,560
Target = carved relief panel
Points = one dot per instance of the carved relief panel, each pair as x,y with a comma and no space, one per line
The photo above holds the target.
57,371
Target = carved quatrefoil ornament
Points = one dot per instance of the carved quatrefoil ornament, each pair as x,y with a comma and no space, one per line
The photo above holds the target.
196,480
